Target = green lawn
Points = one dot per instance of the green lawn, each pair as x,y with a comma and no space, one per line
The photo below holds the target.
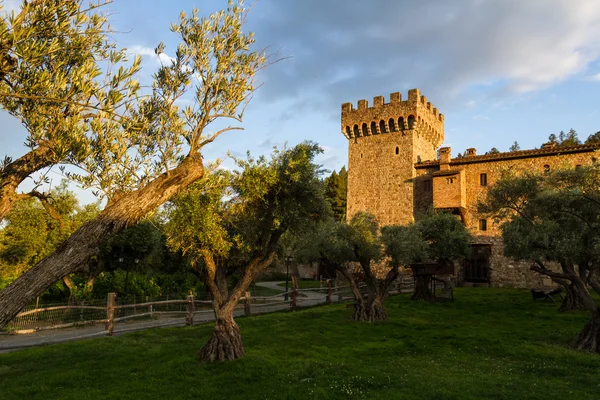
489,343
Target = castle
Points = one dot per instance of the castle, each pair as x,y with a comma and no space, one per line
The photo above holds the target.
395,173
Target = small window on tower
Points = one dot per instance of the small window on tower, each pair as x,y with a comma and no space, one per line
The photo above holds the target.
397,150
427,185
450,180
360,155
483,179
483,224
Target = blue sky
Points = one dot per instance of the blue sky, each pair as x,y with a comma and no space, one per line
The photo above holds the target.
499,70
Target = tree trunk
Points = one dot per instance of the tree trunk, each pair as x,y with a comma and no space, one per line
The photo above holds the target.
225,343
376,311
360,311
19,170
589,338
76,251
422,291
573,299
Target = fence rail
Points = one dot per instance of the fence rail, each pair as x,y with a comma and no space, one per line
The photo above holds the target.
65,316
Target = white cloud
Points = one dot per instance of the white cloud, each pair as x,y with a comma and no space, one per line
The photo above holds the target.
144,51
594,77
442,47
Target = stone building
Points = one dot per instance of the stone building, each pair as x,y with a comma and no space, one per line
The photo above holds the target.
394,172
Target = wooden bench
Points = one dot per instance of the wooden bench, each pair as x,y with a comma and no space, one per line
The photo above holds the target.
546,294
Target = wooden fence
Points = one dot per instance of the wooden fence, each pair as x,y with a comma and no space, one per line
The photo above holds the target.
111,312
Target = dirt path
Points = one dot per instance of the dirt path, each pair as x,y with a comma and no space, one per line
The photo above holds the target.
42,338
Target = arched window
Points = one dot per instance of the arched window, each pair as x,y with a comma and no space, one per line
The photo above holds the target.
411,121
348,132
360,155
391,124
356,132
382,127
365,129
546,169
397,150
401,126
373,128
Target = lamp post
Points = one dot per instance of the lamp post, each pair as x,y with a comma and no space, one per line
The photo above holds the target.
288,261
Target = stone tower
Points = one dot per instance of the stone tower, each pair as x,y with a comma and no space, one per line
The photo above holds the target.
385,142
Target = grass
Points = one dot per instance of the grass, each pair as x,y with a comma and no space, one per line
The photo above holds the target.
303,284
488,344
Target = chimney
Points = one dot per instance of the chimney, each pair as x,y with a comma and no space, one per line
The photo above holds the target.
445,158
471,152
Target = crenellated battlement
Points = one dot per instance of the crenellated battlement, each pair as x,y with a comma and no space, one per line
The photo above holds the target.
415,113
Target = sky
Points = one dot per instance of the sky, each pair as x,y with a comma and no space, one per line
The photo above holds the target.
499,70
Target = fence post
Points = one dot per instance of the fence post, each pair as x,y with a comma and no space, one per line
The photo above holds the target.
110,313
189,319
247,310
134,308
328,299
339,293
294,297
149,307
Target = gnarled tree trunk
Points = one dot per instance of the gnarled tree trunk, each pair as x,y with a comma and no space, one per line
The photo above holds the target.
75,252
573,299
422,291
225,343
589,338
376,311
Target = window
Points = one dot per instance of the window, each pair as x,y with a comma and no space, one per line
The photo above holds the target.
360,155
397,150
483,224
546,169
450,180
427,185
578,166
483,179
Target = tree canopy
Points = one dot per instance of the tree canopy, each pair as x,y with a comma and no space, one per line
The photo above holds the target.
233,221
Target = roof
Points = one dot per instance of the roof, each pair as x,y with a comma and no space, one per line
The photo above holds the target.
547,151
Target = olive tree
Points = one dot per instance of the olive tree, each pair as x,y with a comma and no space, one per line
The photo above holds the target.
55,79
233,222
153,150
555,218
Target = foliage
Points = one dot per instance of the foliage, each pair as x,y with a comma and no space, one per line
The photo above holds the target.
439,237
362,233
593,138
552,217
233,215
514,147
403,244
493,150
499,344
337,193
565,139
30,233
122,141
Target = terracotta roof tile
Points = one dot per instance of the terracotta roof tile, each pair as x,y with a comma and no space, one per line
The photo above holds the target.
514,154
